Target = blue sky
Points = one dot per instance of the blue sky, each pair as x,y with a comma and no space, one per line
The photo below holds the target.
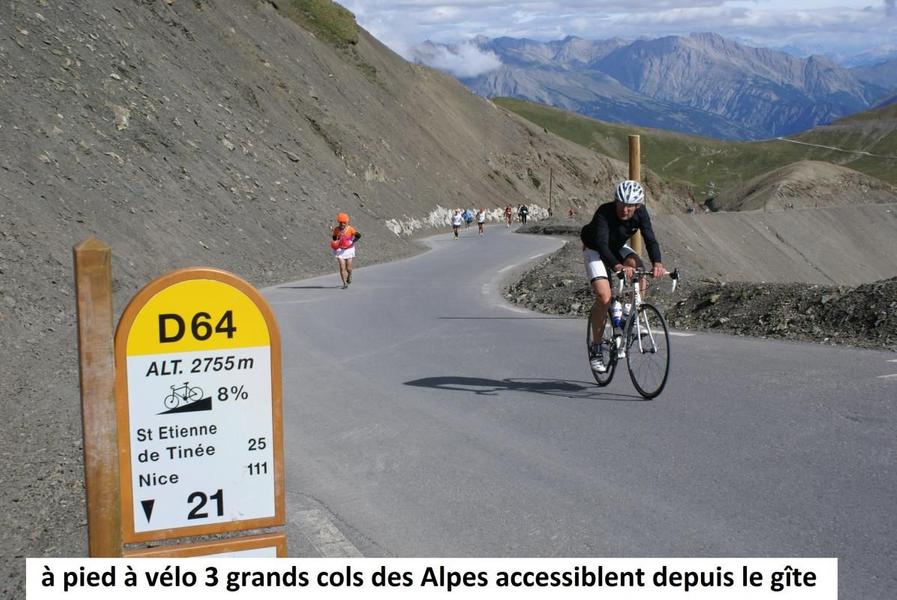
834,27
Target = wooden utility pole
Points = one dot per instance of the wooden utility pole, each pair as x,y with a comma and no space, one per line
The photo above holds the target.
635,174
550,186
93,287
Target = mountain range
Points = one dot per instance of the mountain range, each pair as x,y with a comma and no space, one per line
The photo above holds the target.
701,84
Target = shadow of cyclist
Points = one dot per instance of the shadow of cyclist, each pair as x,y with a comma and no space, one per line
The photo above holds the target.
546,387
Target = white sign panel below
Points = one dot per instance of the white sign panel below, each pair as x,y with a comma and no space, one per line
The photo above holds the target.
201,438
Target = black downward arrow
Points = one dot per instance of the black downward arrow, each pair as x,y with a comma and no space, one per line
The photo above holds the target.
148,508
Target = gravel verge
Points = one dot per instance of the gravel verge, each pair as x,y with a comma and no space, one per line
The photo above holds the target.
863,316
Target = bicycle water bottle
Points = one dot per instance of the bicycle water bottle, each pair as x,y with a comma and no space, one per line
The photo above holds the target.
627,308
616,313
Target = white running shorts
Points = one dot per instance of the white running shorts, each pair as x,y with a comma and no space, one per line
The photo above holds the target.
595,267
345,252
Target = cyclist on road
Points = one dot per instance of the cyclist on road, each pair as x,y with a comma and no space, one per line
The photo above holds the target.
343,241
605,251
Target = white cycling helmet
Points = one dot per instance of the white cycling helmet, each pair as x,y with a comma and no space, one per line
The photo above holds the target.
630,192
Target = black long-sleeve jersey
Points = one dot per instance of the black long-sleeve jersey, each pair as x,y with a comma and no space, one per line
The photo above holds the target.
606,233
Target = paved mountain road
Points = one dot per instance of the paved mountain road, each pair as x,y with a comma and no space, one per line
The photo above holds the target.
426,417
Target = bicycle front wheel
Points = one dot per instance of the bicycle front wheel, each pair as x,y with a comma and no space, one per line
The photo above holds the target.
194,394
648,350
607,355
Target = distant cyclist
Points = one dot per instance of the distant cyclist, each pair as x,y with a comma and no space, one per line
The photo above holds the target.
605,251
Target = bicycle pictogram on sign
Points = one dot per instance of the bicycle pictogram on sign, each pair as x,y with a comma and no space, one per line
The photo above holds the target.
182,395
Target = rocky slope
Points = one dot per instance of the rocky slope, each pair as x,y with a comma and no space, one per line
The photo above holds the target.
882,73
863,316
835,246
221,134
806,184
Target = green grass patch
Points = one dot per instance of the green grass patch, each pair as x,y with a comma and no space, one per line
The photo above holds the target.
330,23
884,112
713,165
367,69
327,20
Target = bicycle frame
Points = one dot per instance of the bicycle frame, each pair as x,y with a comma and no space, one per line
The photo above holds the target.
634,294
181,391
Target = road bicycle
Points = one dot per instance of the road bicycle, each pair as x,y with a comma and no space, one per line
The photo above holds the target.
642,339
182,394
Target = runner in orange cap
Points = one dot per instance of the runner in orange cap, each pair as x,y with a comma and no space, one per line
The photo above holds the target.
343,246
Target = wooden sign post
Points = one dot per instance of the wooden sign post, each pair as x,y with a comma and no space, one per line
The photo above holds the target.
635,174
93,287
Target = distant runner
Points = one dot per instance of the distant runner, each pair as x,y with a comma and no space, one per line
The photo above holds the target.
468,217
343,246
508,215
457,219
481,220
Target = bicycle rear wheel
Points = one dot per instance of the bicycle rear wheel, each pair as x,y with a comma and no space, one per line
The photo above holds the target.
607,356
648,350
172,400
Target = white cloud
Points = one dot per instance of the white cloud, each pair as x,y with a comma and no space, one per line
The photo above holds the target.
461,60
822,23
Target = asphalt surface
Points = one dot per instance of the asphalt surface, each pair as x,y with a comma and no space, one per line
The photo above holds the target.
424,416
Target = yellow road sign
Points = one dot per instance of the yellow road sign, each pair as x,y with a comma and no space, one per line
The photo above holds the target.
198,393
